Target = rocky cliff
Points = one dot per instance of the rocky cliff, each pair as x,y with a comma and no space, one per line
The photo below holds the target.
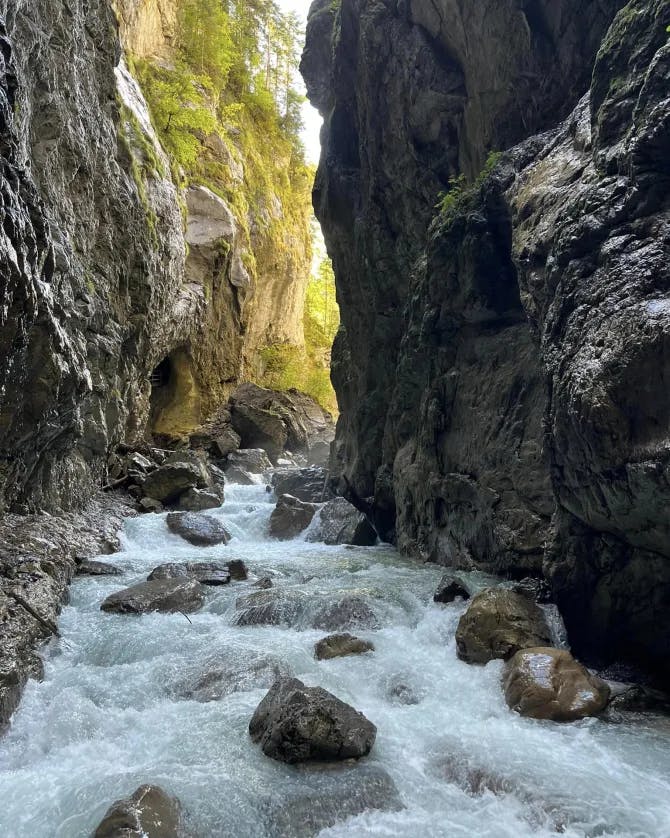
111,276
501,361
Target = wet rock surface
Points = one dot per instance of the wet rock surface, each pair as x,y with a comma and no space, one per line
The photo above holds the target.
451,588
197,528
329,794
348,612
341,645
38,555
228,673
548,683
339,522
181,472
295,723
164,595
207,573
497,624
290,517
90,567
197,500
148,813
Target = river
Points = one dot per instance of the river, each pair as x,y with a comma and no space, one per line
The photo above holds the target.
114,711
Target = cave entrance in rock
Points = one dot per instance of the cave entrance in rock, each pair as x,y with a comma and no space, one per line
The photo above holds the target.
175,397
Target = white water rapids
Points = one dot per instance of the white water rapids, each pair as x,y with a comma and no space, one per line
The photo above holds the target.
111,712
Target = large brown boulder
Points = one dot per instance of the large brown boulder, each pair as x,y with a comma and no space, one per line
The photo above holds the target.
164,595
148,813
547,683
290,517
497,624
181,471
341,645
295,723
196,528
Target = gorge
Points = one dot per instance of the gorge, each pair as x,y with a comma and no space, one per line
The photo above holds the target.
444,611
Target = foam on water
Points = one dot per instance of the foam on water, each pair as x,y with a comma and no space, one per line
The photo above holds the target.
111,712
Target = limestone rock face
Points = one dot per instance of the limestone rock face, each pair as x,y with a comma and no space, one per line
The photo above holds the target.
164,595
148,813
295,723
497,624
499,361
550,684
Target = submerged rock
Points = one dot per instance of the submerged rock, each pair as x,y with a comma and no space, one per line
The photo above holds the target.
497,624
290,517
547,683
229,673
90,567
339,522
340,645
295,723
207,573
148,813
326,795
450,589
201,530
349,612
164,595
273,607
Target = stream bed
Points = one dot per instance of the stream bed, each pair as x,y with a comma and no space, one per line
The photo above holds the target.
123,702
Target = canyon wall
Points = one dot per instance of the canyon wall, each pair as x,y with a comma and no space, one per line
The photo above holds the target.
501,363
110,272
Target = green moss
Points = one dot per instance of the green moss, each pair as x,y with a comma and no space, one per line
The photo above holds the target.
460,191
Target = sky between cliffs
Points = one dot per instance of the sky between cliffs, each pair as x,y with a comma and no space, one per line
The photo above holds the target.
310,116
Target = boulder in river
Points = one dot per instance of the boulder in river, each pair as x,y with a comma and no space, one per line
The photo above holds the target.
348,612
274,607
237,569
229,672
547,683
164,595
306,484
497,624
449,589
181,471
339,522
197,500
340,645
148,813
243,465
207,573
89,567
295,723
328,794
226,442
196,528
290,517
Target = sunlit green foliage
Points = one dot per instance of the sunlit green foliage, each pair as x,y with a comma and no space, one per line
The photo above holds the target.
459,188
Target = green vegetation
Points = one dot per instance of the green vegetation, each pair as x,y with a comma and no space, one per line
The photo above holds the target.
309,370
459,188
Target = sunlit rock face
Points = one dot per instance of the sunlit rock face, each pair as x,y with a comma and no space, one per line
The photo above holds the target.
500,361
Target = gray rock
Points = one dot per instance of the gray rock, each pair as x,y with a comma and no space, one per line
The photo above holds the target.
148,813
237,569
273,607
196,528
546,683
181,471
197,500
340,645
207,573
306,484
164,595
250,460
227,442
229,673
265,582
150,505
449,589
90,567
290,517
326,795
295,723
497,624
339,522
349,612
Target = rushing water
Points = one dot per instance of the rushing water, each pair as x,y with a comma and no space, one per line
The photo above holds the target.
111,712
